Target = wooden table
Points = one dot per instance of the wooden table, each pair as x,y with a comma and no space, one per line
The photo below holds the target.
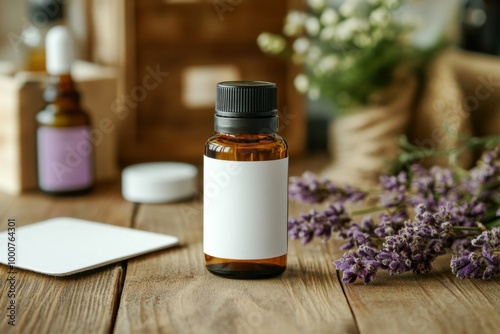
170,291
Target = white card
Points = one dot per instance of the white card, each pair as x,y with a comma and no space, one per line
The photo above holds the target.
64,246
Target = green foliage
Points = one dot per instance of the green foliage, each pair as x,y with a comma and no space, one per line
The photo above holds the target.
349,53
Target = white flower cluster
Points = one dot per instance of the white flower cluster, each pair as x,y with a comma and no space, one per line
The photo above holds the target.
328,37
270,43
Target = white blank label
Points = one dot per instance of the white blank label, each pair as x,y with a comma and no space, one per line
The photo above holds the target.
245,208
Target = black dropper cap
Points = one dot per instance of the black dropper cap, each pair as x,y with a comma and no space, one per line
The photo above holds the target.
246,107
44,11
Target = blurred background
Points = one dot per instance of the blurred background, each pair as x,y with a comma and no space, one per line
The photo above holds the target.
162,59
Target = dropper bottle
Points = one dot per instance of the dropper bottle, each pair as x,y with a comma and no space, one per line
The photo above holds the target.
245,205
65,151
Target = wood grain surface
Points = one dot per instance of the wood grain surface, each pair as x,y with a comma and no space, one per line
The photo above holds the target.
172,290
81,303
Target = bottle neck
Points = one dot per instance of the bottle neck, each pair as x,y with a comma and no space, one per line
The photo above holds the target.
61,93
241,125
257,136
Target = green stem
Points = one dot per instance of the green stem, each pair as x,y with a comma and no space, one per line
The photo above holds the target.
369,210
495,223
472,142
463,228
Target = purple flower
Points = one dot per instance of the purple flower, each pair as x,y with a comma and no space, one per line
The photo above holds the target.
360,264
469,263
350,194
432,187
422,187
389,224
461,245
466,264
464,214
424,216
491,238
415,246
443,180
318,223
448,211
337,216
421,180
490,271
310,189
394,190
489,241
299,229
358,234
482,182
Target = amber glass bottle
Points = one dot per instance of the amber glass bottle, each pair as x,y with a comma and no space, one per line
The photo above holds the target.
65,152
245,184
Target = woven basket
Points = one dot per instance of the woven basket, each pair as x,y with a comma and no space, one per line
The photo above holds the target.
363,142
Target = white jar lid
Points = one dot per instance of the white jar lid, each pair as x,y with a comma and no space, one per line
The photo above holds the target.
159,182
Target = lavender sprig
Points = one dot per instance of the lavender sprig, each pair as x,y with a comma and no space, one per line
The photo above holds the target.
318,223
360,264
413,248
433,187
449,212
483,261
394,189
311,189
389,223
483,181
416,245
358,234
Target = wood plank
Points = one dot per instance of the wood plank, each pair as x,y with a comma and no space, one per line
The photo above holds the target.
104,204
81,303
172,291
